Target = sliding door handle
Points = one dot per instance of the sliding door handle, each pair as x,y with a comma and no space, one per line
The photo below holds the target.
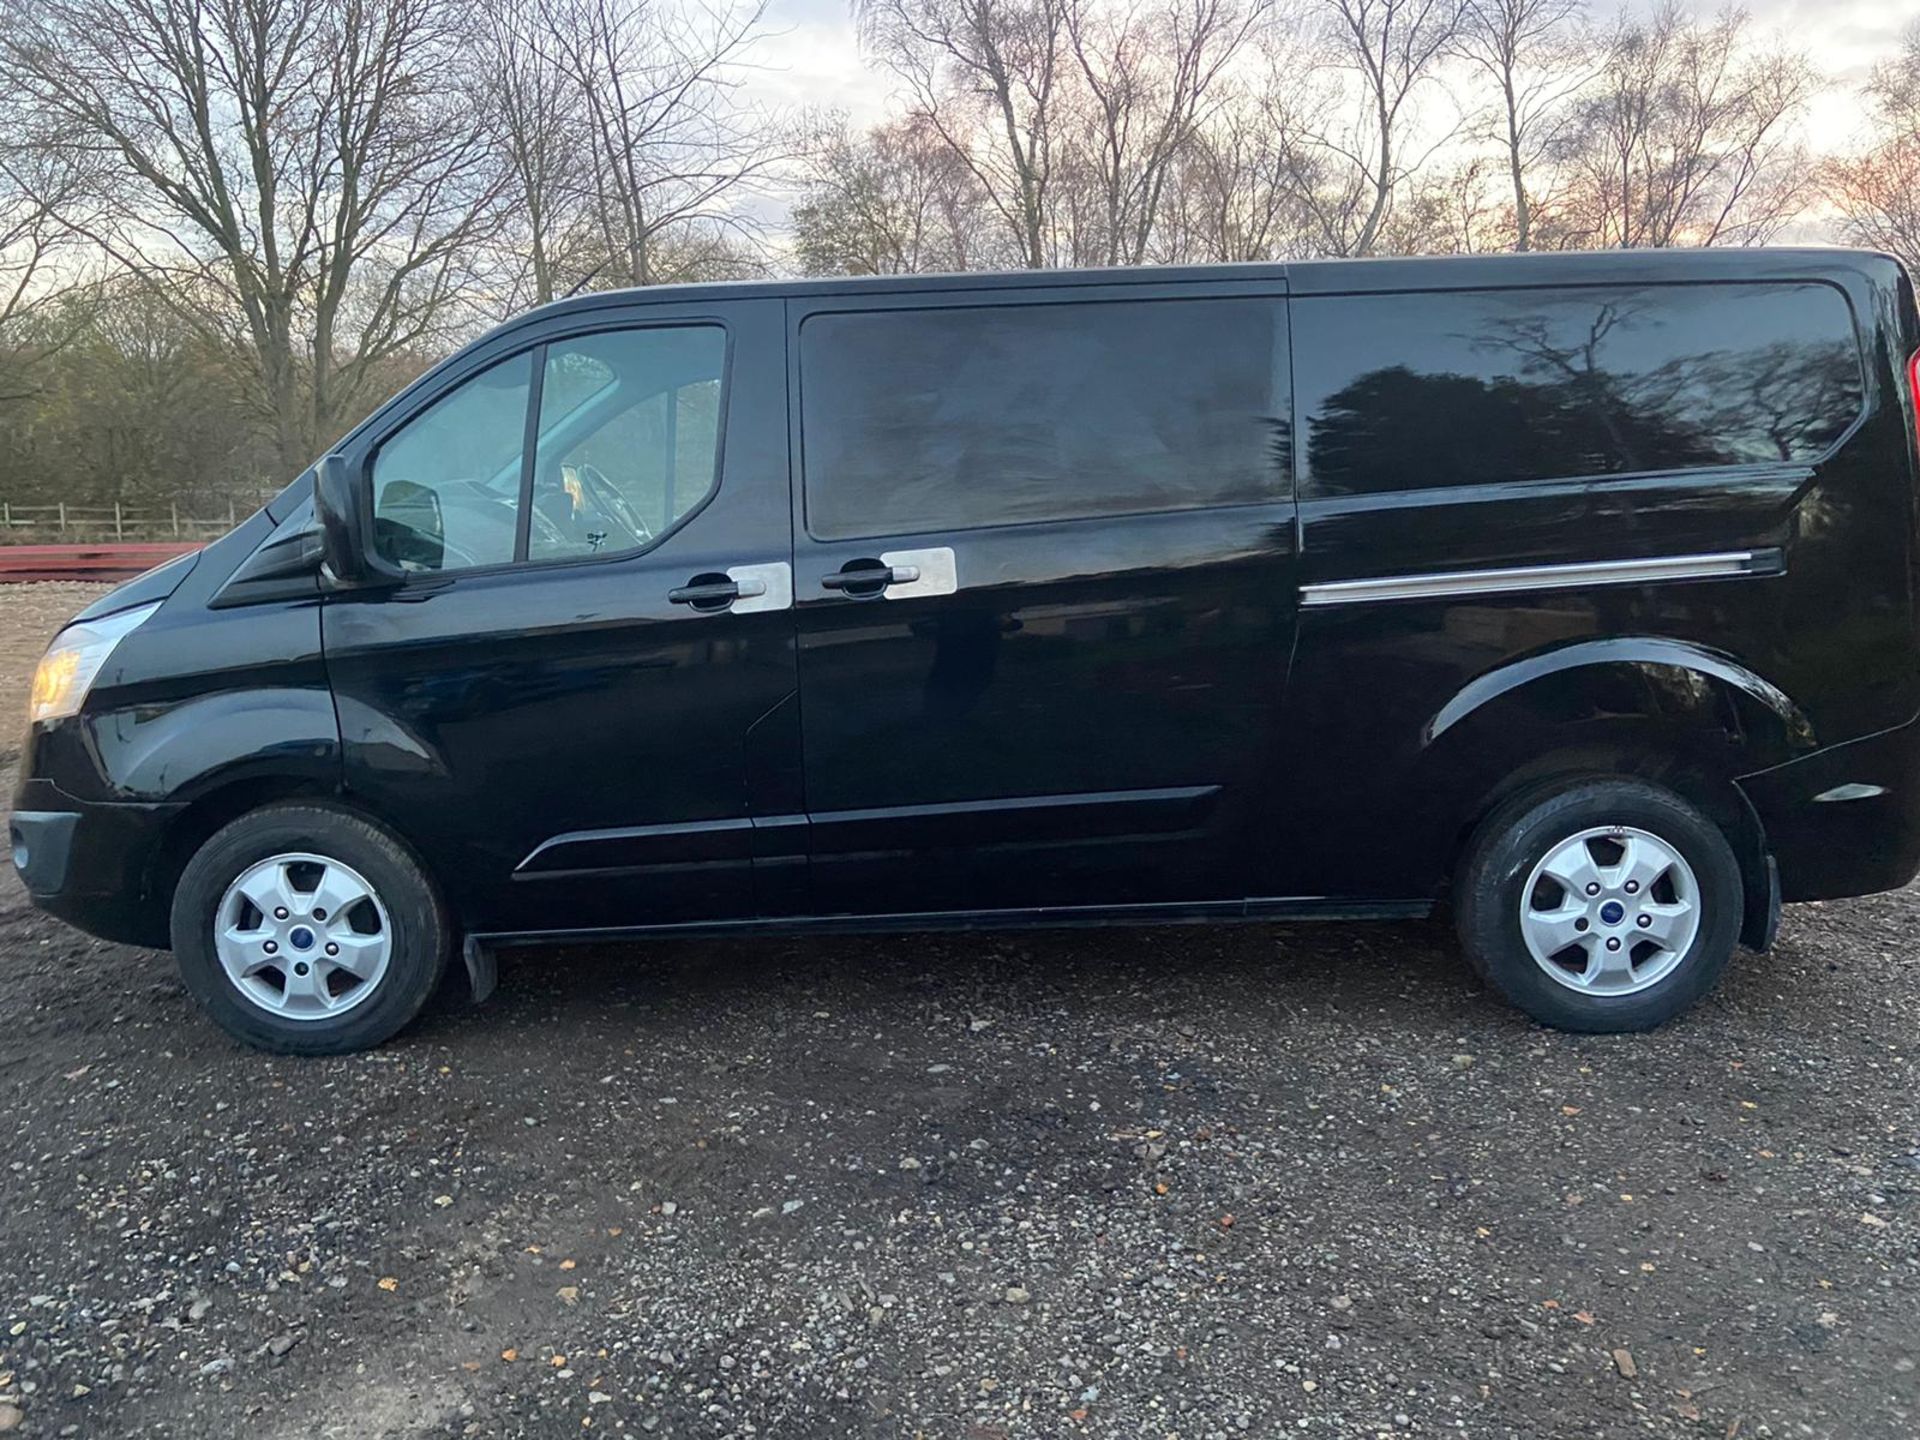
897,575
869,577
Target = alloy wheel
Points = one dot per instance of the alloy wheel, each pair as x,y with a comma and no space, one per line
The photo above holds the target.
303,936
1610,911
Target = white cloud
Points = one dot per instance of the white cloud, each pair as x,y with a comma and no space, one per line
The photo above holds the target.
812,59
815,60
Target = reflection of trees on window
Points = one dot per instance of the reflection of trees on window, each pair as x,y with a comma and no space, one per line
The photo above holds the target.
1795,399
573,377
1570,390
1567,358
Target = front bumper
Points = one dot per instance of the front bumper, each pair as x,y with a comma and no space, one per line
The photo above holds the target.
91,864
1844,820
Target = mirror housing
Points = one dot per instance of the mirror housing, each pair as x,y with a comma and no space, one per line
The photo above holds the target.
340,505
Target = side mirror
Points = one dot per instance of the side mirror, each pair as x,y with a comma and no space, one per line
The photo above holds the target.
340,503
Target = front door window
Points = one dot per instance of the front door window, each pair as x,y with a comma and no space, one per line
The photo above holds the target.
626,445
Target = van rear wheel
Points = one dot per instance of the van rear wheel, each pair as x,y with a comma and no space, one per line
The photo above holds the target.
308,931
1605,905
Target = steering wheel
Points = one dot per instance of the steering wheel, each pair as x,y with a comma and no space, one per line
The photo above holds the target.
608,500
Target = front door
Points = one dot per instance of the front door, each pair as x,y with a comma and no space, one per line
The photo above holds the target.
1045,590
578,693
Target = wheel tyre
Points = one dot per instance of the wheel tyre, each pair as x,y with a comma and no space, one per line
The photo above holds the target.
420,943
1500,860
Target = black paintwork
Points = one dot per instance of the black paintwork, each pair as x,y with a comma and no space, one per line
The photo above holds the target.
1126,716
566,740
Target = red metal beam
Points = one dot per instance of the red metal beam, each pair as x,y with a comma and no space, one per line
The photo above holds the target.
20,563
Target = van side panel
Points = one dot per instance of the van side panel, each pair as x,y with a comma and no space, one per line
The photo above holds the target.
1845,820
1084,710
1664,528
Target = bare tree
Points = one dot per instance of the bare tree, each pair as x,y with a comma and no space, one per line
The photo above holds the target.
894,201
1878,197
673,149
1242,184
1894,88
47,284
1001,62
301,163
1449,210
530,114
1878,190
136,406
1149,76
1686,137
1392,48
1530,51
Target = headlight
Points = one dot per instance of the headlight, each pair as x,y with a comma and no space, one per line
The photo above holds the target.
66,672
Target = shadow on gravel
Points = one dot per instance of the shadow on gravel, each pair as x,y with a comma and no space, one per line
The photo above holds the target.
1392,974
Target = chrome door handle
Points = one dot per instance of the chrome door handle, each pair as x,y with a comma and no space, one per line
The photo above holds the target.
896,574
866,579
742,590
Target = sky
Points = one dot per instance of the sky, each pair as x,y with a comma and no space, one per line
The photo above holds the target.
813,57
1846,39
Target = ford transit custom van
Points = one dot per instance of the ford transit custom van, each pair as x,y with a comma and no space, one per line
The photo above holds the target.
1570,596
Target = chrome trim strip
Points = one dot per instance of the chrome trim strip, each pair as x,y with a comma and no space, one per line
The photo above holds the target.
1534,577
1854,790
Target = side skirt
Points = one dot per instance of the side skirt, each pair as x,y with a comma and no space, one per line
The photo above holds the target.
1032,918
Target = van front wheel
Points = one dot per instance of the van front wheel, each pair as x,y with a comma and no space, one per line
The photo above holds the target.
1608,905
308,931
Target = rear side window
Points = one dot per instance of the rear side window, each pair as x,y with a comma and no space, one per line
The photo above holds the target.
953,419
1408,392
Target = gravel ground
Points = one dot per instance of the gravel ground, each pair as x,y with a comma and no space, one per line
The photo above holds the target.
1177,1182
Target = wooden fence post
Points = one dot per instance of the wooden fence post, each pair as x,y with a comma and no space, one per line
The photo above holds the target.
173,510
63,517
119,527
230,516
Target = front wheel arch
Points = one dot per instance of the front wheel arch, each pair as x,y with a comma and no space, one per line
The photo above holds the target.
217,808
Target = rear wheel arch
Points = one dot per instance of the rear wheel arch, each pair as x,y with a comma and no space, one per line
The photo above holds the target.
1610,903
1708,787
1672,683
1670,712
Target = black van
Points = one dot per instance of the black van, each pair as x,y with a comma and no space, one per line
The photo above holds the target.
1573,594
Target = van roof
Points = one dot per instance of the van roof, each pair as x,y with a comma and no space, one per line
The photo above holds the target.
1307,277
